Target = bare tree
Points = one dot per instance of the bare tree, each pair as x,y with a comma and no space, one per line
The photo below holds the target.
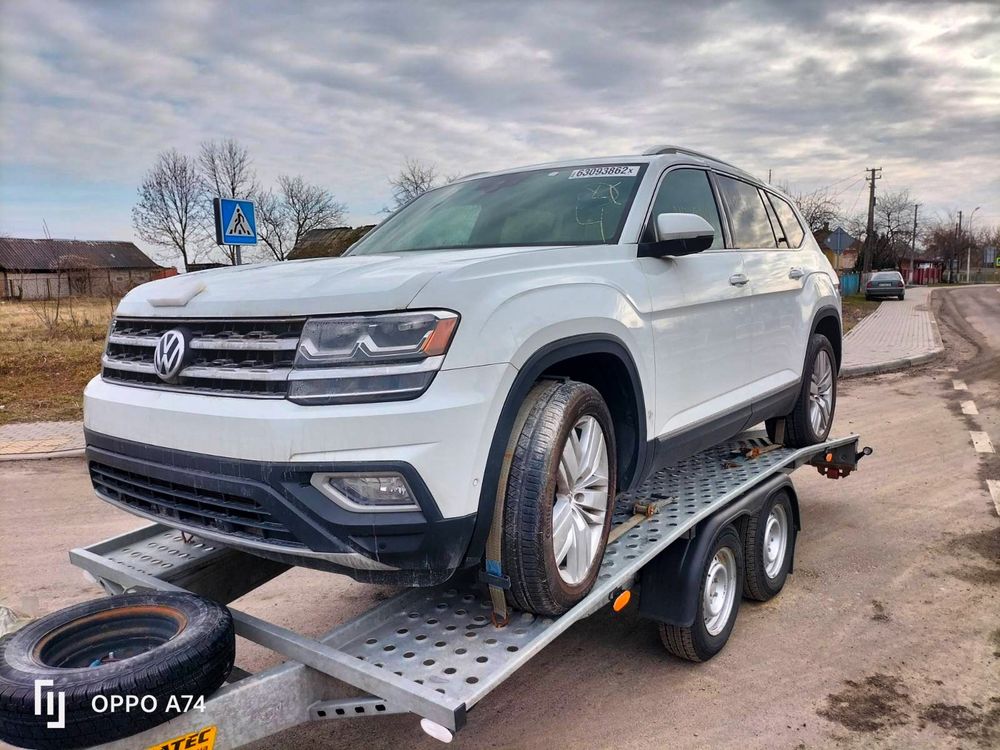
285,215
171,205
819,208
227,171
414,178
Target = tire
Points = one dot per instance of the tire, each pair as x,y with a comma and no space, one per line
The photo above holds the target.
768,548
542,581
800,430
185,647
701,642
902,297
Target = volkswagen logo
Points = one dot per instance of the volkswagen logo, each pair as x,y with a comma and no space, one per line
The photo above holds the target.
168,357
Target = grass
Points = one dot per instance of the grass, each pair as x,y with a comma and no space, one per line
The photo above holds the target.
856,307
44,363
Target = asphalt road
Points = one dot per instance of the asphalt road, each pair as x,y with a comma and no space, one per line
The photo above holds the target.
887,634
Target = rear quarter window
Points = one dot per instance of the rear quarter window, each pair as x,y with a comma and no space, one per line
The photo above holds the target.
794,233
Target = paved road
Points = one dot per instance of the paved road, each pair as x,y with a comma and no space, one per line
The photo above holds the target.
887,635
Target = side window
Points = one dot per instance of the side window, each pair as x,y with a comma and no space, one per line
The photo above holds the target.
779,233
686,191
789,221
747,215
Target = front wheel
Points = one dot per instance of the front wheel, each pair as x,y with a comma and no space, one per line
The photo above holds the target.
559,497
810,420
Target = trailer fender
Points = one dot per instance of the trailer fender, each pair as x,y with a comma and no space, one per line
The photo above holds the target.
670,584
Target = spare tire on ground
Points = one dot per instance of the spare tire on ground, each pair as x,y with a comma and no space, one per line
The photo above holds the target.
165,649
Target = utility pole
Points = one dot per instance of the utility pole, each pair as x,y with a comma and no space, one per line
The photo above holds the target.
968,249
958,248
769,177
875,173
913,245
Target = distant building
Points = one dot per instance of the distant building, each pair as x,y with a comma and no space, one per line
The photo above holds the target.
838,242
46,269
327,243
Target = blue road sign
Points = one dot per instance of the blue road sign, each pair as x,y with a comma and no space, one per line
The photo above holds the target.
235,223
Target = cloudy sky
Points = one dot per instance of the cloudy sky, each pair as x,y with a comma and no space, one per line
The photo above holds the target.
341,93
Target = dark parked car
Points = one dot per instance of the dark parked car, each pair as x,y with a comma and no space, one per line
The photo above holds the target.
885,284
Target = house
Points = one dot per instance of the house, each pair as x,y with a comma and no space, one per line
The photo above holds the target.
327,243
46,268
839,247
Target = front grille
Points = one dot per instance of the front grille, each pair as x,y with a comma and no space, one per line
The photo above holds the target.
221,512
225,357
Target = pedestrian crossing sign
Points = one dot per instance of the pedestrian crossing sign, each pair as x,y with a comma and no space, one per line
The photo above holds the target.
235,222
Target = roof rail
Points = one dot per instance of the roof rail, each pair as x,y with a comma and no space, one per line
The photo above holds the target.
667,149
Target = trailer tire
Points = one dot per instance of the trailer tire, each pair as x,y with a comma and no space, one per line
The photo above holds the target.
768,547
702,640
539,582
174,645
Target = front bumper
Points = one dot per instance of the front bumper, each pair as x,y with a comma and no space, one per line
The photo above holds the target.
238,470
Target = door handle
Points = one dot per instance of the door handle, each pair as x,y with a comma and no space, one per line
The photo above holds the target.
796,273
738,279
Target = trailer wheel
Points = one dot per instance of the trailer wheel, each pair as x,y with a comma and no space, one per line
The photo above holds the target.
151,646
718,602
768,545
559,498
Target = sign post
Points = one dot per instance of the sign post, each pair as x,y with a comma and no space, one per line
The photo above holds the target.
235,224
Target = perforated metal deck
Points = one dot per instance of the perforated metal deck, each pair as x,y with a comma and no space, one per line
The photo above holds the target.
435,652
443,637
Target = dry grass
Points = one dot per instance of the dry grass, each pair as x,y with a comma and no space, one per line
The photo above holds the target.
44,364
856,307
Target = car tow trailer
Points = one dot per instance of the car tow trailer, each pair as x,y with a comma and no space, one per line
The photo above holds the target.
433,652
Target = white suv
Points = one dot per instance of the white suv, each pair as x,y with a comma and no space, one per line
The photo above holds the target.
537,340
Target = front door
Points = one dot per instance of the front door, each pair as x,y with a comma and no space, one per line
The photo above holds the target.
702,327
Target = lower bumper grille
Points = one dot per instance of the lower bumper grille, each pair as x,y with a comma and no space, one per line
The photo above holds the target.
220,512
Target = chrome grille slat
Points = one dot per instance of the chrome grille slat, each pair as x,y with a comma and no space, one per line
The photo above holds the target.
236,357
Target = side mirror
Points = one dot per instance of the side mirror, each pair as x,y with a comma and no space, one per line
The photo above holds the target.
678,234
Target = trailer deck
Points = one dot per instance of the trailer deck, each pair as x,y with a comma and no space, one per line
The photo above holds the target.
433,652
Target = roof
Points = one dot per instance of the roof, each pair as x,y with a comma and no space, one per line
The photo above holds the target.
17,254
327,243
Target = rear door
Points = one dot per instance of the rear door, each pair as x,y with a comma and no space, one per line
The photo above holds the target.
766,229
701,322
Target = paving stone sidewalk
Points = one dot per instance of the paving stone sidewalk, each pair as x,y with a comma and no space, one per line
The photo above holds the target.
50,439
898,334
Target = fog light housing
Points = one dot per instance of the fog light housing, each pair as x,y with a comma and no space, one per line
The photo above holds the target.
379,492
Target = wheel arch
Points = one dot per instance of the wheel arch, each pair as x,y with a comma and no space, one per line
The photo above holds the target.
826,321
601,360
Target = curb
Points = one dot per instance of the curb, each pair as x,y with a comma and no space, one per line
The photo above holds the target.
891,365
69,453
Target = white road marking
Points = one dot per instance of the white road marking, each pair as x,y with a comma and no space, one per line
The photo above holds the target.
959,385
994,486
981,442
969,407
951,369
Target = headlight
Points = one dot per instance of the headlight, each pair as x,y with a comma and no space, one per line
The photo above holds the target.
356,359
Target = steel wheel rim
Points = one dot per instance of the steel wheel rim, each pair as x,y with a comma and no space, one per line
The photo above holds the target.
720,590
821,393
775,541
581,502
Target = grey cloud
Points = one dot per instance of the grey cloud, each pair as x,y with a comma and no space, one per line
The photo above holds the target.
341,92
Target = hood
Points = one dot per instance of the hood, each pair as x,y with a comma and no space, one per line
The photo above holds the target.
319,286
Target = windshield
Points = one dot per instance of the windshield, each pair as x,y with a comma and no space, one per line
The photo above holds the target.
887,276
584,205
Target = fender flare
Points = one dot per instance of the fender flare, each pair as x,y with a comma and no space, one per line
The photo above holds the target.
547,356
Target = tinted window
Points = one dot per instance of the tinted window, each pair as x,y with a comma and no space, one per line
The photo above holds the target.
584,205
789,221
747,215
887,276
686,191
